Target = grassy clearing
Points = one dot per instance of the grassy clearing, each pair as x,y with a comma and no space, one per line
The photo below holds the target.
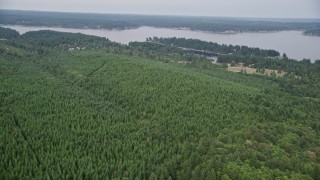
250,70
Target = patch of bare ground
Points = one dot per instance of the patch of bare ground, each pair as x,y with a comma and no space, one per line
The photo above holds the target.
250,70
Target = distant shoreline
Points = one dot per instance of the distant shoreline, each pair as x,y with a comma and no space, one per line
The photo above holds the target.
226,25
305,45
173,28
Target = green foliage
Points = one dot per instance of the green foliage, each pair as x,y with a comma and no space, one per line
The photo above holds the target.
40,41
214,47
6,33
302,77
116,21
91,114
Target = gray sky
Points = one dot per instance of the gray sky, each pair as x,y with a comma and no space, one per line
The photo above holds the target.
234,8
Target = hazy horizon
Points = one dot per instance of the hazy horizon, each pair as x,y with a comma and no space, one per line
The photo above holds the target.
106,13
298,9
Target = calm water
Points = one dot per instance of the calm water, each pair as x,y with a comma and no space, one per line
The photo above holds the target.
293,43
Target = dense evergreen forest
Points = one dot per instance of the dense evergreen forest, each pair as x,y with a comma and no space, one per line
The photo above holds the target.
214,47
302,77
83,107
6,33
118,21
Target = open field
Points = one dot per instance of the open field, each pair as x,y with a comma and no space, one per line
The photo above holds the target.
251,70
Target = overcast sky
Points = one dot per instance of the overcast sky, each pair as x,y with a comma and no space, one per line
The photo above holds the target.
229,8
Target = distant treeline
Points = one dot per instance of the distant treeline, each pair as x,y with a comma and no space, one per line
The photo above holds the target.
313,32
214,47
45,40
116,21
48,38
7,33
